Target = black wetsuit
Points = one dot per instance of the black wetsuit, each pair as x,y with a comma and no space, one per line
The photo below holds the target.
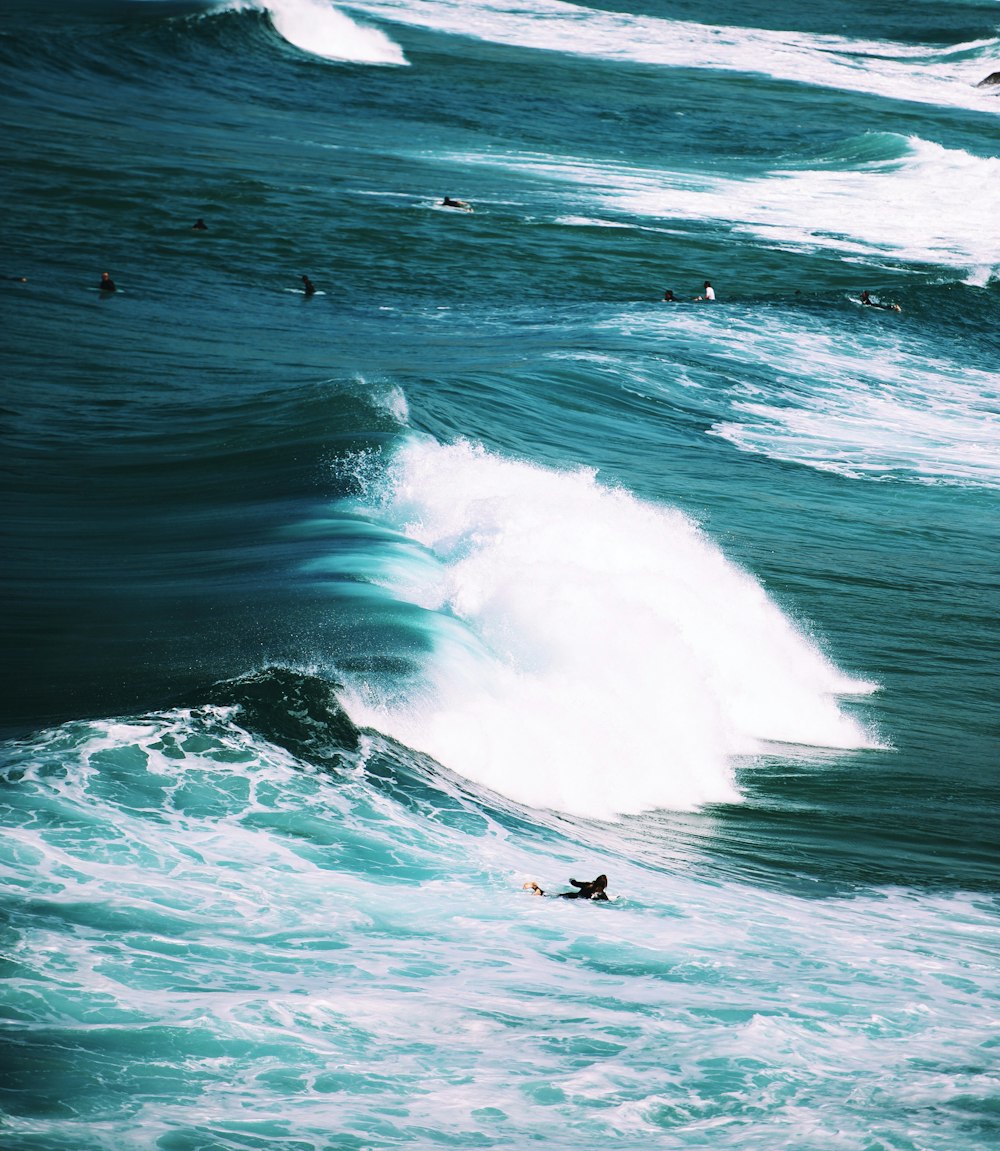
592,890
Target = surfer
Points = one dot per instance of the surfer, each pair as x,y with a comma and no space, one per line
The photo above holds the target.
199,225
709,292
870,303
669,297
593,889
308,286
448,202
107,284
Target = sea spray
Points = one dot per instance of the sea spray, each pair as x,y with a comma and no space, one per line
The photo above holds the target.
592,653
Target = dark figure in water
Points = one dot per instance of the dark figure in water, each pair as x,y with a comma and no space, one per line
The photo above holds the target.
448,202
669,296
594,889
869,302
308,286
199,225
107,284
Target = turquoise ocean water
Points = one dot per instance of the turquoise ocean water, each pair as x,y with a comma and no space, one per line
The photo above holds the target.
329,621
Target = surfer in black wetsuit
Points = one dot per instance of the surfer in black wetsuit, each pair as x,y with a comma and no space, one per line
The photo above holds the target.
107,284
448,202
594,889
199,225
308,286
870,303
669,297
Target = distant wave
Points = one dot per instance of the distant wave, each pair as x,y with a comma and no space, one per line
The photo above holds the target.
878,195
897,71
591,653
862,398
317,27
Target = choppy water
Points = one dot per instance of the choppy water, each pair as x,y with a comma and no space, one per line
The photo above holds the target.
332,620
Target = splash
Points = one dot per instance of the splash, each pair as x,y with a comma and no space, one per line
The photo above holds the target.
593,653
317,27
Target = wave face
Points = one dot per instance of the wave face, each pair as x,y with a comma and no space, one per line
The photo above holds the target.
576,628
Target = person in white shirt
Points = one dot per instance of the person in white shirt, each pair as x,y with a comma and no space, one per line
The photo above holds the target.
709,292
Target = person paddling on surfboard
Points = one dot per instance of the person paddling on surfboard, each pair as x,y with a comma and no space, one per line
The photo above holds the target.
593,889
308,286
448,202
869,302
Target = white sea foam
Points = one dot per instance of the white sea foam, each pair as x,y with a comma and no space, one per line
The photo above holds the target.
183,888
901,71
866,399
319,28
891,208
593,653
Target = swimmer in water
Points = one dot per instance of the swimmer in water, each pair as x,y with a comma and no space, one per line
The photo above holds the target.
107,284
448,202
669,297
199,225
308,286
594,889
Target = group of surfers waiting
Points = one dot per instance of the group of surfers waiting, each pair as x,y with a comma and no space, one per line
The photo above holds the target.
708,292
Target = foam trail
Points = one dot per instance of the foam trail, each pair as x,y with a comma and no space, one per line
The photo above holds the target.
593,653
865,398
896,71
855,210
318,28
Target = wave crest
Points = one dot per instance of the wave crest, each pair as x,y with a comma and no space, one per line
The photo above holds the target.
317,27
592,653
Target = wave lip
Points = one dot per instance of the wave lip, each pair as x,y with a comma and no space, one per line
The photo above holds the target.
593,653
317,27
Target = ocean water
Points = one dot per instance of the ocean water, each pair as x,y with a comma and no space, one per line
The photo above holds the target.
332,620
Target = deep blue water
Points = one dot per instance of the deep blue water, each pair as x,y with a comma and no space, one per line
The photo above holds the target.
332,620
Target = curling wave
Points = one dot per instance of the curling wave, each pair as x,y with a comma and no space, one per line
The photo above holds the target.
317,27
591,653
